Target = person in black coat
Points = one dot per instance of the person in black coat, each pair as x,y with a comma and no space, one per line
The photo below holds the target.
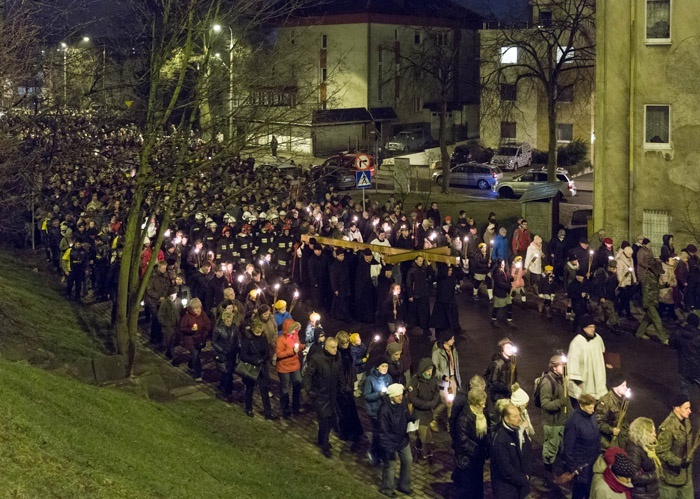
349,425
384,281
198,284
392,421
225,341
582,445
319,280
687,341
445,314
215,290
256,351
642,440
511,457
502,288
470,443
339,274
557,253
393,309
365,292
417,291
578,292
321,381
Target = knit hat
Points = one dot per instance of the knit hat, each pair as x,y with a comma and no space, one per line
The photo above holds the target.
444,335
392,348
586,320
623,467
624,244
679,400
692,248
280,304
394,390
615,378
519,398
354,337
379,360
607,240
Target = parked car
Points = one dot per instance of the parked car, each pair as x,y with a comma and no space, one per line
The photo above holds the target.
355,161
534,176
286,168
471,175
513,156
415,139
466,153
332,175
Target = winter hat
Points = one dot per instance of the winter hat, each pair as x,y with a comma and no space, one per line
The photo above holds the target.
628,251
379,360
354,337
624,244
394,390
280,304
679,400
692,248
608,241
623,467
392,348
444,335
520,398
586,320
615,378
548,269
645,241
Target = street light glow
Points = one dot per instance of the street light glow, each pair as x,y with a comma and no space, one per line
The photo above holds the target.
216,28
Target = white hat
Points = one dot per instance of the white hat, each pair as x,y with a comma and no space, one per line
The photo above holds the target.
146,240
246,215
334,219
395,389
262,215
519,398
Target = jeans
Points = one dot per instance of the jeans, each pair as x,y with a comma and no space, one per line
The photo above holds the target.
285,379
196,362
389,471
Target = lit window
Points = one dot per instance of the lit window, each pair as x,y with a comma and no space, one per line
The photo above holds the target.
565,132
659,21
508,130
567,54
657,126
509,55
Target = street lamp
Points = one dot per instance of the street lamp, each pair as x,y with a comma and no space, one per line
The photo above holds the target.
217,29
64,48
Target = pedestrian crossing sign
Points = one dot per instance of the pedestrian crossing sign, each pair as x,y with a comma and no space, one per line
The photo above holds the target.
363,180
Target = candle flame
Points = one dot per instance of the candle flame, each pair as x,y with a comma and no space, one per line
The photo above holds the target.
628,393
296,294
591,252
377,337
277,286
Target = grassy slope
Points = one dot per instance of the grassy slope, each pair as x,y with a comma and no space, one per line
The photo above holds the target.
35,317
61,438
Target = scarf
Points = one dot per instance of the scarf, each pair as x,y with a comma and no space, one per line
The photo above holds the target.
481,425
651,453
614,485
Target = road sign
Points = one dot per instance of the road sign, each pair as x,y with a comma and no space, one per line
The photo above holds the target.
362,162
363,180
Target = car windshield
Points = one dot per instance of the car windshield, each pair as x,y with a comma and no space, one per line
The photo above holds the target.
507,151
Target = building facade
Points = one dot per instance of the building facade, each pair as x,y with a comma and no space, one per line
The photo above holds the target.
648,120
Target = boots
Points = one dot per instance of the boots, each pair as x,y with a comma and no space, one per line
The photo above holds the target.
419,450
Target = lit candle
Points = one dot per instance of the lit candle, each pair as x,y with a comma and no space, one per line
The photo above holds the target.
167,233
184,302
450,397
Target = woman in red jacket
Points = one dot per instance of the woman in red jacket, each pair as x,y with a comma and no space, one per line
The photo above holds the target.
289,366
195,327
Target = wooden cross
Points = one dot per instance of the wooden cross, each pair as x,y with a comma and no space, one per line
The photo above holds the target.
391,255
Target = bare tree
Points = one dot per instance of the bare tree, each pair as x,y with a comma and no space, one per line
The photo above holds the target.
546,57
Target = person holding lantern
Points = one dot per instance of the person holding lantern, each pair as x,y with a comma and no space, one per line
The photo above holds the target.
446,360
502,373
556,408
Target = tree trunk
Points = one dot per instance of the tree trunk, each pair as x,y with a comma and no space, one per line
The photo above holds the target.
552,132
445,157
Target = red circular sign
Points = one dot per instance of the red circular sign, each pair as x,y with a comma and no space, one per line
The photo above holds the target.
362,162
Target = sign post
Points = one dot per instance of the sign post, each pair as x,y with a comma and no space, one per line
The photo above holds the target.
363,180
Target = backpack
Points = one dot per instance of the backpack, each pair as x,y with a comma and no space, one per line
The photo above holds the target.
538,388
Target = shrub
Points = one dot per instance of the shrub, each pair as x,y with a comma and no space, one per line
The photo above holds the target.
572,153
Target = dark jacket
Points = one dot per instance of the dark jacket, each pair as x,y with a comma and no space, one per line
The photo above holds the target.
423,393
581,444
225,341
481,263
646,478
510,464
687,342
254,349
392,420
417,285
322,380
498,377
374,385
470,450
501,283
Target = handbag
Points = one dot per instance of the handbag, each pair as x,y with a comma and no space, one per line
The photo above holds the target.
247,370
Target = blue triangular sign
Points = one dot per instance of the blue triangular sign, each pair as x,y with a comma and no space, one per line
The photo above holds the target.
363,181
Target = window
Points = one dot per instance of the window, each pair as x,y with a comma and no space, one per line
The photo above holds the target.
509,92
507,129
545,19
565,132
565,93
324,74
509,55
324,41
656,223
657,126
416,37
659,21
565,53
441,39
380,83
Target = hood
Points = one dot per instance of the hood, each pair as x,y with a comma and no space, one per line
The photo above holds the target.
666,238
423,364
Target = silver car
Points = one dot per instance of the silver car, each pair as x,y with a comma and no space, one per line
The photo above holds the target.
471,175
534,176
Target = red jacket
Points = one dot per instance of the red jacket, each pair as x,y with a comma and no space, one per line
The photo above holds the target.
191,338
521,240
287,358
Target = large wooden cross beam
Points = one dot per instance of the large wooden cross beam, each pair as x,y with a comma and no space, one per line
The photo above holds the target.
391,255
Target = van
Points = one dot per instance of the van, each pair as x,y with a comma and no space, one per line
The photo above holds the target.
513,156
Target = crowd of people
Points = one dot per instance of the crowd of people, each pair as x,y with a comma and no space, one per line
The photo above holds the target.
234,272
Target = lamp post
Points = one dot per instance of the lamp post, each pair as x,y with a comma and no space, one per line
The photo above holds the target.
64,48
217,29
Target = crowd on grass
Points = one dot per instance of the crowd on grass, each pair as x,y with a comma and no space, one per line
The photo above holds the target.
233,272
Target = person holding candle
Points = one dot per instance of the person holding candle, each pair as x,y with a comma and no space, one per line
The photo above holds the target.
610,412
605,286
392,420
556,408
375,385
502,288
322,380
446,360
502,373
196,329
534,264
480,268
675,451
586,362
289,367
424,395
581,445
583,255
